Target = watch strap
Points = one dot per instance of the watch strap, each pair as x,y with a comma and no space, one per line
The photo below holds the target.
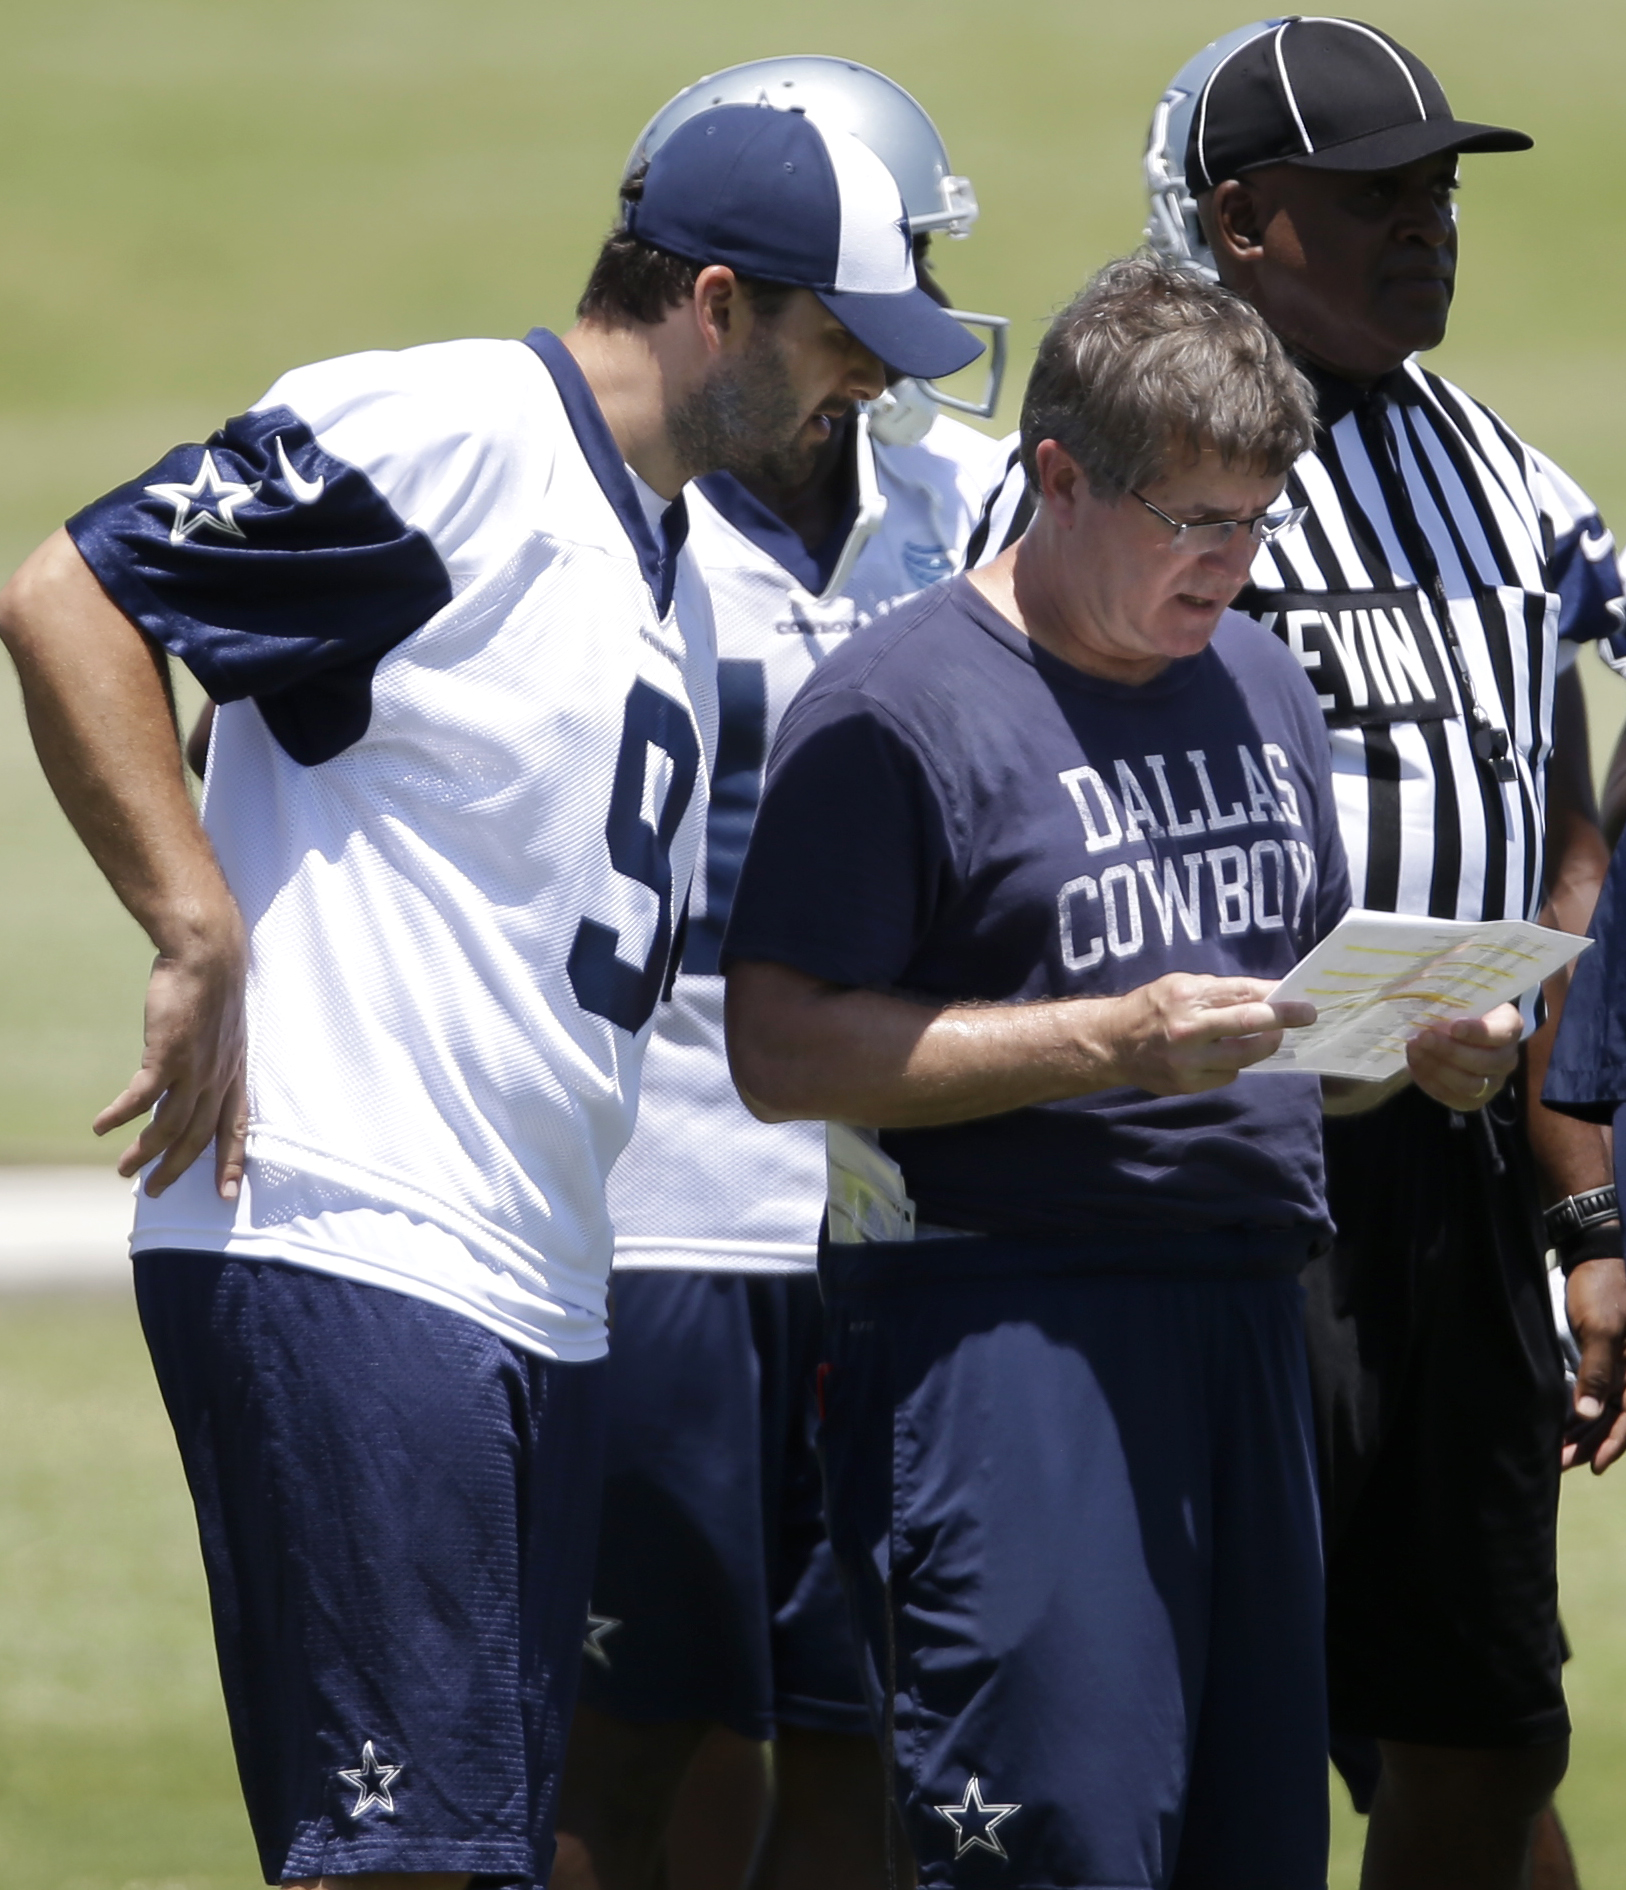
1578,1212
1601,1241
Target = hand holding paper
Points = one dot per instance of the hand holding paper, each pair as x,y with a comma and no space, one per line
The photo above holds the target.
1461,1065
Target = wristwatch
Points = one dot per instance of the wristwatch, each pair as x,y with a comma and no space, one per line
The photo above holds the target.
1578,1212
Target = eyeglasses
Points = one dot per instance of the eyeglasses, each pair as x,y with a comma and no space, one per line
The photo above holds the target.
1215,534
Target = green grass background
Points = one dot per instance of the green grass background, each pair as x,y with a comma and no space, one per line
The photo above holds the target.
195,194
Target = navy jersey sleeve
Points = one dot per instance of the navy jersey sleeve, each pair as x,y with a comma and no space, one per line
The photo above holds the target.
1582,565
271,569
850,854
1587,1074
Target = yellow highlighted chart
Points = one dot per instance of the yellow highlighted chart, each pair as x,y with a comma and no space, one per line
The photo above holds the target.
1379,978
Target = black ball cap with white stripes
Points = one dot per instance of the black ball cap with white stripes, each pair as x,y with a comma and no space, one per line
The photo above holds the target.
1334,95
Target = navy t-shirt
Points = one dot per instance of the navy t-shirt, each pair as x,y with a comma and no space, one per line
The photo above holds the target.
950,812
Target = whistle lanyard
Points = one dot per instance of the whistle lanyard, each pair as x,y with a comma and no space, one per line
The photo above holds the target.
1490,743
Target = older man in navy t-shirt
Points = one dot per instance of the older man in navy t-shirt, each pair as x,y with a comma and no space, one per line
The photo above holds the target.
1029,860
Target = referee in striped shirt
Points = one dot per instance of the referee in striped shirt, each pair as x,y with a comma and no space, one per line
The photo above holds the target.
1435,593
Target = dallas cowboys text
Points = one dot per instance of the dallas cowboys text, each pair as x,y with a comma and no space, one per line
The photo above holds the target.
1244,884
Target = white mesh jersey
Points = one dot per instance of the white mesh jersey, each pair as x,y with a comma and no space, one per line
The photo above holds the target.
457,787
702,1183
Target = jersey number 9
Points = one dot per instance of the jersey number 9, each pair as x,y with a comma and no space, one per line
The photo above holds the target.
605,984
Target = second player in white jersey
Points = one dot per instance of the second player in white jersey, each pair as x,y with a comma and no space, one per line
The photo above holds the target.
703,1184
717,1619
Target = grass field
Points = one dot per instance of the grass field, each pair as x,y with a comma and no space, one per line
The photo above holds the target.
198,193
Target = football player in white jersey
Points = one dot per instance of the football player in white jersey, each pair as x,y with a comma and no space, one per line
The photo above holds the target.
717,1620
408,958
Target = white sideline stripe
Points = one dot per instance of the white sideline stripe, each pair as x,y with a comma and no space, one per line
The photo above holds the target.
63,1228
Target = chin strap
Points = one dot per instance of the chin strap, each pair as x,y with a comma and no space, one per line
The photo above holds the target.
871,505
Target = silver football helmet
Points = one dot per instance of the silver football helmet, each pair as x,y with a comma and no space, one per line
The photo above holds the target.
1173,228
855,98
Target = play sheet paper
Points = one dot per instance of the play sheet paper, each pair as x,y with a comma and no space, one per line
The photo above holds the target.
1380,977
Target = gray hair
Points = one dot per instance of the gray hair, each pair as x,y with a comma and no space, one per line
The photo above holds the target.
1147,366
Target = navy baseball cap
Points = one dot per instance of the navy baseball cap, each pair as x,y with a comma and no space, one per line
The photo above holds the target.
780,198
1331,95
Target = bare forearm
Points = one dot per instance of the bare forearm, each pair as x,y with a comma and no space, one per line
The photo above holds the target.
99,711
870,1058
801,1049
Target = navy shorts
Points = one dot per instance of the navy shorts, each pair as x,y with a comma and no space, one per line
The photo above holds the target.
1440,1408
395,1509
1077,1514
715,1595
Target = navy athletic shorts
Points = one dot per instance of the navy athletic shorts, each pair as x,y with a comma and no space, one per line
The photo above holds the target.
1076,1510
715,1595
396,1510
1440,1405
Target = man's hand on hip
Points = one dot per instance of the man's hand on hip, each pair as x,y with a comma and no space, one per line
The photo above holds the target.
191,1074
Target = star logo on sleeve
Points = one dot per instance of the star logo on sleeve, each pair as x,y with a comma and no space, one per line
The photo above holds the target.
372,1780
599,1628
976,1825
209,502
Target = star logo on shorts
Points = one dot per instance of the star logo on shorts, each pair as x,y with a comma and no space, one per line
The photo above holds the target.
372,1780
599,1628
976,1825
208,501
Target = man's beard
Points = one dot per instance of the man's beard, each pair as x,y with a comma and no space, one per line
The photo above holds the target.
745,420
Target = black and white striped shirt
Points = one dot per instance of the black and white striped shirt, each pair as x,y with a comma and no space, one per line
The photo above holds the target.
1439,567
